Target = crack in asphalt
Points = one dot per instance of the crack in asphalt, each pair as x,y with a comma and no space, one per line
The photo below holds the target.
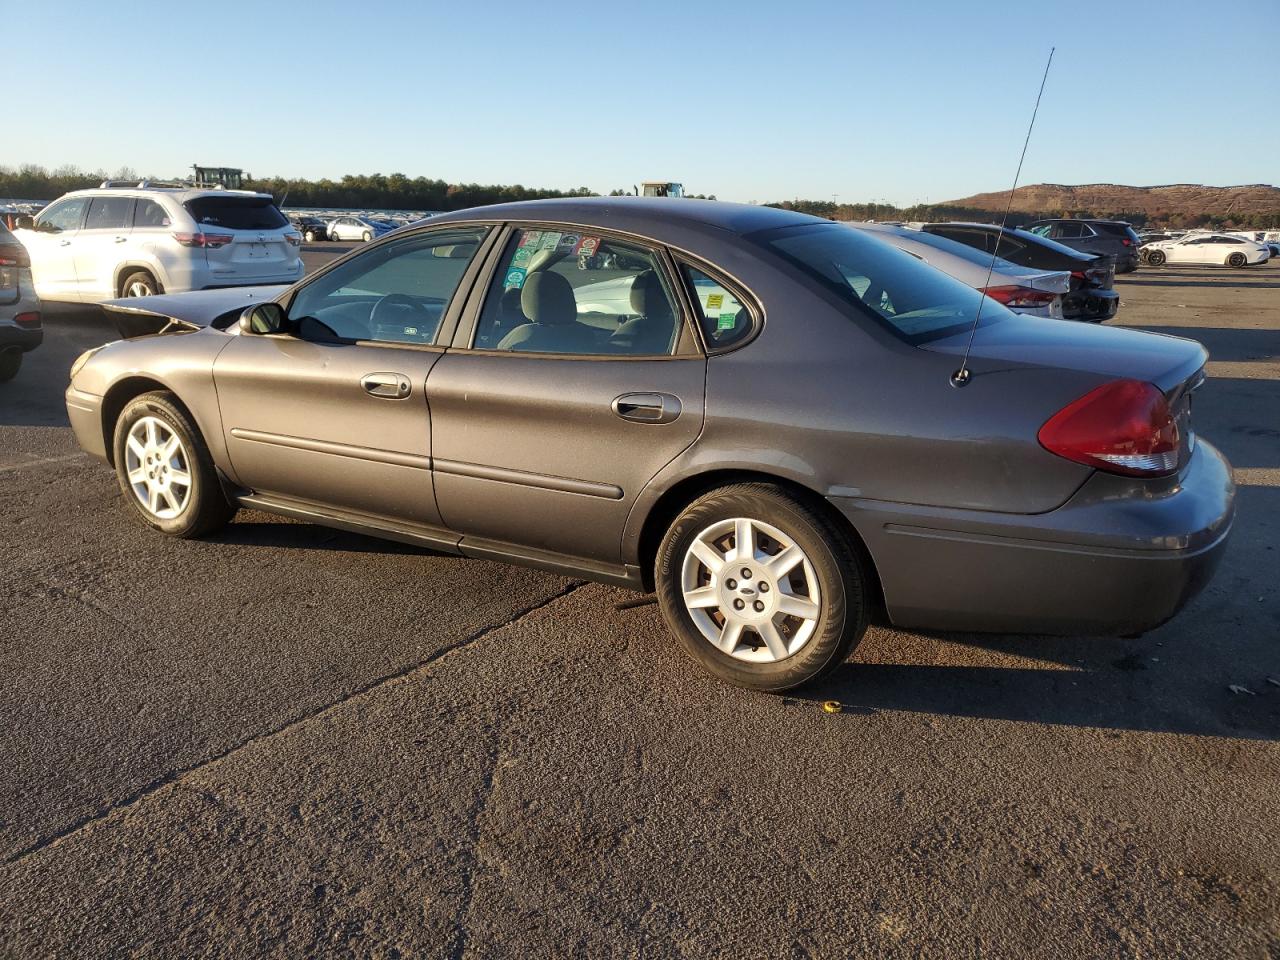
176,776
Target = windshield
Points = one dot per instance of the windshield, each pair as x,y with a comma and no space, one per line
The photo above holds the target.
910,298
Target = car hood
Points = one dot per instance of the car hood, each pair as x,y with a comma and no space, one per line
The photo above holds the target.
1166,361
139,316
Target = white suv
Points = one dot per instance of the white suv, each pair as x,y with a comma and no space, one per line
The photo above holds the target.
137,240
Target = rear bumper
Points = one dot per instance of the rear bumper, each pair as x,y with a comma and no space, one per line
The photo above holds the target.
1091,305
1116,558
25,339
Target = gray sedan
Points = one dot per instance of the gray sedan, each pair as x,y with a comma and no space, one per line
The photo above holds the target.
765,418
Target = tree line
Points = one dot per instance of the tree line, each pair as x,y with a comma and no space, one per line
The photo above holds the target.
397,191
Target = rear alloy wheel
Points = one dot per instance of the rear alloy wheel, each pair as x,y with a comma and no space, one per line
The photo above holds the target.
309,236
1237,259
165,470
761,590
1156,258
139,284
367,236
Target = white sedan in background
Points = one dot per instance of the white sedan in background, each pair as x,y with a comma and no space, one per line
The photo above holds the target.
1206,248
1021,289
358,228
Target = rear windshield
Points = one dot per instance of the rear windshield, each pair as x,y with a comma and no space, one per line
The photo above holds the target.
1117,229
237,213
910,298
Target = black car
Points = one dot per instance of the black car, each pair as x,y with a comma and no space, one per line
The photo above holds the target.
1113,237
311,228
1091,297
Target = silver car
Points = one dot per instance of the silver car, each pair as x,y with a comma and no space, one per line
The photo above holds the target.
780,428
20,322
358,228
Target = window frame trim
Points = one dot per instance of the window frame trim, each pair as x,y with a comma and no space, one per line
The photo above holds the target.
741,293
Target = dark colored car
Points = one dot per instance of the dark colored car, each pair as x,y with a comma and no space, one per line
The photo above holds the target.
751,412
20,323
1092,295
313,229
1112,237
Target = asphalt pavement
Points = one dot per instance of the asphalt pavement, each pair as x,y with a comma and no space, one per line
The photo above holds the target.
293,741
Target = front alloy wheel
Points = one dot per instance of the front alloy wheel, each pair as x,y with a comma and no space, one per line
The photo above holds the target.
761,588
157,466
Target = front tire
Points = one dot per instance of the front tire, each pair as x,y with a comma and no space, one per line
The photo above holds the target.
309,236
761,590
367,236
164,468
1237,260
139,284
1157,258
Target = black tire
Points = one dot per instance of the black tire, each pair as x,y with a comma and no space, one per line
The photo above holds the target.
138,280
10,364
840,573
309,236
367,236
1157,258
207,508
1237,260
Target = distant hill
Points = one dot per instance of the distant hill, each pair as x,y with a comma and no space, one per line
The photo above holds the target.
1176,201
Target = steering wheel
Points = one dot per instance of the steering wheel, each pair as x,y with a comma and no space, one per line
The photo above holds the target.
396,300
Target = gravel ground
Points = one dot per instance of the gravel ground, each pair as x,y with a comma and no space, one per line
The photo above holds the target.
299,742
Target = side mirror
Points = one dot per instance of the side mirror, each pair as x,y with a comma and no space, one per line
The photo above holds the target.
24,222
263,318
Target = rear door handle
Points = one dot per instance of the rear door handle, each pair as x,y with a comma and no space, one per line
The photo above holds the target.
64,243
121,239
647,407
388,386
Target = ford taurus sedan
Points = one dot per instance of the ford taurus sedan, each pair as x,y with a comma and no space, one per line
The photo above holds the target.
751,412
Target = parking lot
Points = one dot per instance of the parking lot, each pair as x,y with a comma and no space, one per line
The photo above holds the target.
289,740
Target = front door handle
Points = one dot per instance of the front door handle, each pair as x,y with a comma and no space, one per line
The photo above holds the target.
121,239
388,386
64,243
647,407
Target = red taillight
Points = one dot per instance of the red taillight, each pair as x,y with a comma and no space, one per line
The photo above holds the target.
1126,241
31,319
14,255
1017,296
294,239
1122,427
207,240
1078,274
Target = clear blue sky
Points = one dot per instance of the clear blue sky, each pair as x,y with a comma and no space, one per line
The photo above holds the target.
754,100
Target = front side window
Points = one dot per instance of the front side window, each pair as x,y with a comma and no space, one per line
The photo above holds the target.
724,318
65,215
392,294
561,291
911,299
109,213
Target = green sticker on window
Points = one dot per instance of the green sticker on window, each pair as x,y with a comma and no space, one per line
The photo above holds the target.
727,320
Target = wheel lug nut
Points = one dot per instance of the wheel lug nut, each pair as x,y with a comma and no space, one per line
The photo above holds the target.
759,606
738,604
731,584
746,573
764,587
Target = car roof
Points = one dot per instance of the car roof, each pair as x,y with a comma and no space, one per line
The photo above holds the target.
649,216
181,194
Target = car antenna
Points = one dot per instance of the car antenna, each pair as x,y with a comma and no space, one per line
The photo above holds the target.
963,375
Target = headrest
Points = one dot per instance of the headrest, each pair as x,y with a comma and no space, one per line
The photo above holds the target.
547,298
648,298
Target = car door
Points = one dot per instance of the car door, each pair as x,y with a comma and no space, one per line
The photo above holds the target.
52,246
102,245
334,412
576,378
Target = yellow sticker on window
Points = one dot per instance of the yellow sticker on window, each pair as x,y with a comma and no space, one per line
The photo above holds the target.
715,301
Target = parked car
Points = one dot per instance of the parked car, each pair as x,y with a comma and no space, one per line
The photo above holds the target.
20,327
1035,292
311,228
358,228
1113,237
1207,248
93,245
778,460
1092,297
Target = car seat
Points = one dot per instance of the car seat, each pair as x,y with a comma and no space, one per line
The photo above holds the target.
651,329
553,327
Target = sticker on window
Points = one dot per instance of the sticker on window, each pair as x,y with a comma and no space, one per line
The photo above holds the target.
715,301
588,246
515,278
531,239
549,240
568,242
522,257
727,320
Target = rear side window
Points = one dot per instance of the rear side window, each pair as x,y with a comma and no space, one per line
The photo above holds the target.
148,213
107,213
724,318
910,298
236,213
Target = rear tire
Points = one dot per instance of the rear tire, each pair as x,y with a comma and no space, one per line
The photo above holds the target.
164,468
751,618
309,236
1237,260
140,283
367,236
10,364
1157,258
